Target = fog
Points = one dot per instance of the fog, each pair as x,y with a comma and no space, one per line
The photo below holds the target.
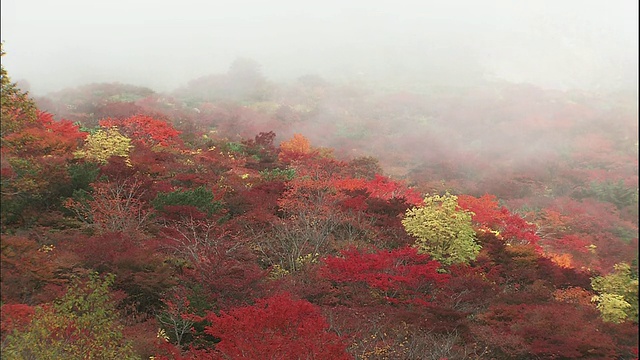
564,44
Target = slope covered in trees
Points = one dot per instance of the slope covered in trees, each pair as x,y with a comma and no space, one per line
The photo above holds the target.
237,218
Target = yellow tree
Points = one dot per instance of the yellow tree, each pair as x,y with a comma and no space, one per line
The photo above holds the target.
103,144
442,229
618,294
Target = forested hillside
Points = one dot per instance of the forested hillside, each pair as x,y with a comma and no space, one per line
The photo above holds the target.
241,218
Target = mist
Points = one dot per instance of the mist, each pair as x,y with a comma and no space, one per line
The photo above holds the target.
591,45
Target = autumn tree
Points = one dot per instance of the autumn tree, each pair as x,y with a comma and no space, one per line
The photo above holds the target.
103,144
113,206
176,317
80,325
144,129
618,298
487,215
140,269
191,221
295,148
397,276
550,330
27,267
14,317
35,163
245,81
442,229
278,327
307,216
18,109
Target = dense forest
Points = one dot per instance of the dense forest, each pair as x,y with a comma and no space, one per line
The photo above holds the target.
238,218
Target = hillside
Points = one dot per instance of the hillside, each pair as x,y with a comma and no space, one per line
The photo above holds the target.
241,218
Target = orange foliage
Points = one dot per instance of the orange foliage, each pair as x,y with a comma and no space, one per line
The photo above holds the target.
296,148
45,137
574,295
564,260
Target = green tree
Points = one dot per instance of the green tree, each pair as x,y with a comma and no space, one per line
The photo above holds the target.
80,325
618,298
200,198
442,229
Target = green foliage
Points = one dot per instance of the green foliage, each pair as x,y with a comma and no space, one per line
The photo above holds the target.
82,175
278,174
82,127
616,193
80,325
200,198
442,230
22,191
11,211
103,144
28,177
235,147
618,299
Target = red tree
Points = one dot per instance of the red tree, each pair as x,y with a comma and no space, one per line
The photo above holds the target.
278,327
145,129
397,276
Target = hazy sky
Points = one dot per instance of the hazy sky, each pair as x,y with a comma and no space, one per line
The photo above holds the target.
161,44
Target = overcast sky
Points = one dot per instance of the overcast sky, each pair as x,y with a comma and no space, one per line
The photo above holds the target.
557,44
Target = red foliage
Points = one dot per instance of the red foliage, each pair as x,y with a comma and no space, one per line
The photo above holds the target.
259,205
139,268
115,206
46,137
145,129
468,289
488,214
66,128
550,331
384,188
14,316
276,327
26,269
400,276
156,162
626,336
380,187
226,272
589,230
485,209
262,148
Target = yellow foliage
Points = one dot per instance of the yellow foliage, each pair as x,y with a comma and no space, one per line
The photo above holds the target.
278,272
442,229
103,144
302,260
613,308
618,299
